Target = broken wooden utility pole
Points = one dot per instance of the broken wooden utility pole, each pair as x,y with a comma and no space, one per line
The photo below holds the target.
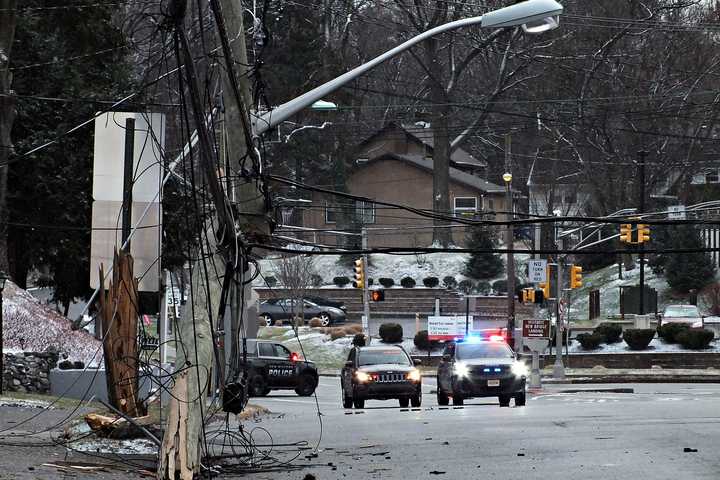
8,20
119,314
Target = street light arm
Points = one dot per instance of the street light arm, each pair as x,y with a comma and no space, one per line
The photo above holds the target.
274,117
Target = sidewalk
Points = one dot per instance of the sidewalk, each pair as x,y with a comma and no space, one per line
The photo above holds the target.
608,375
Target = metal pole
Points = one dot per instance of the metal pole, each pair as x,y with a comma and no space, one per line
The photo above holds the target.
558,368
128,179
641,208
366,298
2,354
509,241
467,315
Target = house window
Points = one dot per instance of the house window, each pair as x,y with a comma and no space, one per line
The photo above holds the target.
365,212
465,206
712,177
330,213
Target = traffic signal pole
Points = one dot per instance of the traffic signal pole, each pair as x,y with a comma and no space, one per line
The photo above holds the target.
641,209
366,298
558,368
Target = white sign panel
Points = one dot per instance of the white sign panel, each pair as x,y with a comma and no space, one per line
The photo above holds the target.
676,212
446,327
537,271
108,173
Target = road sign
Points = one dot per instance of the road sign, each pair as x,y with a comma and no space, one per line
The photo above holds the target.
536,328
446,327
537,271
676,212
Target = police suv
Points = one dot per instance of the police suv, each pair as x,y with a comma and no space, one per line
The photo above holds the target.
476,367
273,367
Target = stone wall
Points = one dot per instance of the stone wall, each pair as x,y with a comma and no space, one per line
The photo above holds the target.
28,371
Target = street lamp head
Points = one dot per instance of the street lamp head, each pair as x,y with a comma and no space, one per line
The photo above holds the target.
541,26
3,279
507,177
532,13
324,106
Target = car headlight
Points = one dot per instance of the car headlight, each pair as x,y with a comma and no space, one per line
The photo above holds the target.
362,377
414,375
461,370
519,369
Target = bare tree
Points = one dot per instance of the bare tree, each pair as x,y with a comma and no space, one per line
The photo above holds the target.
295,273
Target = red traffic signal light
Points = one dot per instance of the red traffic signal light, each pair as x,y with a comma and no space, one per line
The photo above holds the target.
377,295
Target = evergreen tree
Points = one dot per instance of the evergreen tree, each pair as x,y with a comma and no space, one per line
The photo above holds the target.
686,271
481,264
79,56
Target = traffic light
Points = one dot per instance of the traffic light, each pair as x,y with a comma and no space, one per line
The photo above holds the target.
626,233
545,289
359,268
575,276
643,233
526,295
377,295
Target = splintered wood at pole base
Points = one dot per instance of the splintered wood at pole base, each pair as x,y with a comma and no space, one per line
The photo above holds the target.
118,311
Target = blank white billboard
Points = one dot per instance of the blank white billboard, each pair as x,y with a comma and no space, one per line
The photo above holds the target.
108,172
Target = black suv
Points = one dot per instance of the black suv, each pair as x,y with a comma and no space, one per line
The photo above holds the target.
479,368
273,367
380,373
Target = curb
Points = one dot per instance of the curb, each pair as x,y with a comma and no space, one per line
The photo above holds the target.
630,378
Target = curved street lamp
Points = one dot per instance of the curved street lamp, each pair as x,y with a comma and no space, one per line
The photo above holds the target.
536,16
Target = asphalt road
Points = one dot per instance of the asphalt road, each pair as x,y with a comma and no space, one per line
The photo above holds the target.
588,435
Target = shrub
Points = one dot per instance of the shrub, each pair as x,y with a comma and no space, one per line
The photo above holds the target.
422,342
262,322
465,286
638,338
278,323
316,280
590,341
356,328
695,338
387,282
611,332
407,282
483,287
669,331
315,322
391,332
78,365
370,282
500,286
270,281
359,340
450,282
341,281
336,333
431,282
65,365
299,322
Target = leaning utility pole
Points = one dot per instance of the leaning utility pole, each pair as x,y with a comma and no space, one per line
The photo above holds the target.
8,20
509,244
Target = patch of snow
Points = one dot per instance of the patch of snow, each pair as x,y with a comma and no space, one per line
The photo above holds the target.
138,446
657,345
25,403
31,326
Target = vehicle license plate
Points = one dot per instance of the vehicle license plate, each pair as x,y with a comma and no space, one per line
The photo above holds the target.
493,383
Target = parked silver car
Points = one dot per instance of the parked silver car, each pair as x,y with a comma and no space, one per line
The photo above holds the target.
283,309
689,314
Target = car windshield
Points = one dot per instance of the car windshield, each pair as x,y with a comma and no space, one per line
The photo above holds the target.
466,351
689,311
391,356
